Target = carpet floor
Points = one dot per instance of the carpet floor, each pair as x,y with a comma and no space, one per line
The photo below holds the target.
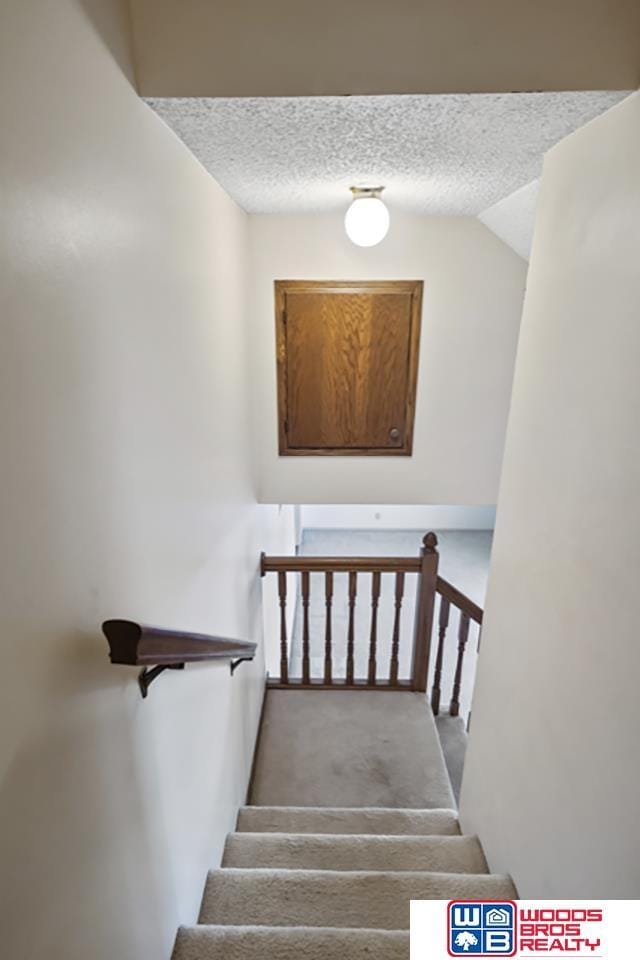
351,817
341,748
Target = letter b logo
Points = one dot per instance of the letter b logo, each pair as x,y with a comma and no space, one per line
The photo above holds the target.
498,941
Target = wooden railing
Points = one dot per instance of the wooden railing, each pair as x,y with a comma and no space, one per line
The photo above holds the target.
157,649
425,568
467,611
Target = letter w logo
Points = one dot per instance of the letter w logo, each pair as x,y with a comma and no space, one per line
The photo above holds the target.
466,917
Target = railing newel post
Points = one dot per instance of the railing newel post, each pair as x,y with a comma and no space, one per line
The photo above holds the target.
425,602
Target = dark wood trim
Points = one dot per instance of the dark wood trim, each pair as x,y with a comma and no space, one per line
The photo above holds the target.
328,651
256,745
459,600
348,286
301,564
306,661
463,636
425,602
347,452
340,564
340,684
353,591
429,584
136,644
284,653
413,288
443,623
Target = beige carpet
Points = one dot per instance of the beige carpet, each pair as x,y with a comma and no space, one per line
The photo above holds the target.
285,851
338,748
290,943
373,821
352,819
327,898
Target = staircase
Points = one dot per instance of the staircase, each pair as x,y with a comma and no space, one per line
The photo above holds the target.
324,882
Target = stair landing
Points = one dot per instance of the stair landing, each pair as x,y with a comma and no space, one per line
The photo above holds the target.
341,748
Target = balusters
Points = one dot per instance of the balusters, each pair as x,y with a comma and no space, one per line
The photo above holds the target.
395,642
443,623
353,587
429,583
304,577
284,659
463,636
328,600
373,638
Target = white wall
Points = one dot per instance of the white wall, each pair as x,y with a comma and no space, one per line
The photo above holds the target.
552,784
362,516
472,301
126,491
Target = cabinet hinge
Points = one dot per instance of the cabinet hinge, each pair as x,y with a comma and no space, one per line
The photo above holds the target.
286,426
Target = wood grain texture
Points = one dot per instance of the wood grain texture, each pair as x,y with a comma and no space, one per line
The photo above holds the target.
347,359
137,644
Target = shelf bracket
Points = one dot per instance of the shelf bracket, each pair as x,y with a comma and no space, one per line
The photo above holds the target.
236,663
149,674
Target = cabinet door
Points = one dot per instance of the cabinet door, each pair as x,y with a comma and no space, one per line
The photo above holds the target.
347,366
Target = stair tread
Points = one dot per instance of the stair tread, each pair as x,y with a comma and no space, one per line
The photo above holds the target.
319,898
289,943
325,851
396,821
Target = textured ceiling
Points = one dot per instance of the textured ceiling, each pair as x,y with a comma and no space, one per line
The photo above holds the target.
512,218
442,154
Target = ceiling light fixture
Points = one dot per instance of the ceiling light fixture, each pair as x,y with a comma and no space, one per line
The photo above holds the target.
367,219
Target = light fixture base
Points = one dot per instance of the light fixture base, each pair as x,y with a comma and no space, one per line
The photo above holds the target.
361,192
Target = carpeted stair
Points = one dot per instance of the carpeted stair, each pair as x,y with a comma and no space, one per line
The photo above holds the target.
325,882
337,883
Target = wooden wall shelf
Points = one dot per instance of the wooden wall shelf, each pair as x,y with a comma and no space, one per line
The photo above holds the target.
156,649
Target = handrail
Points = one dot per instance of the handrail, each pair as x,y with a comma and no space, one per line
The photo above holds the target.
137,644
339,564
459,600
368,565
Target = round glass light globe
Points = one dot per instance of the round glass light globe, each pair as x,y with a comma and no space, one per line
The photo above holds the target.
366,221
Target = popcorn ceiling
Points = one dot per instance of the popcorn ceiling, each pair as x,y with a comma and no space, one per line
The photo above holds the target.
447,154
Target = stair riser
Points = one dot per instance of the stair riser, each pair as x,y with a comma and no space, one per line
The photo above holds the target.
374,821
316,898
326,852
256,943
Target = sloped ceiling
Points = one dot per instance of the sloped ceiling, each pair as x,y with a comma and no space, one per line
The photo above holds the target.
512,218
450,154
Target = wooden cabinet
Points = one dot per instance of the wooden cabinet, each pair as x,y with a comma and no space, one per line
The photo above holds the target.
347,358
